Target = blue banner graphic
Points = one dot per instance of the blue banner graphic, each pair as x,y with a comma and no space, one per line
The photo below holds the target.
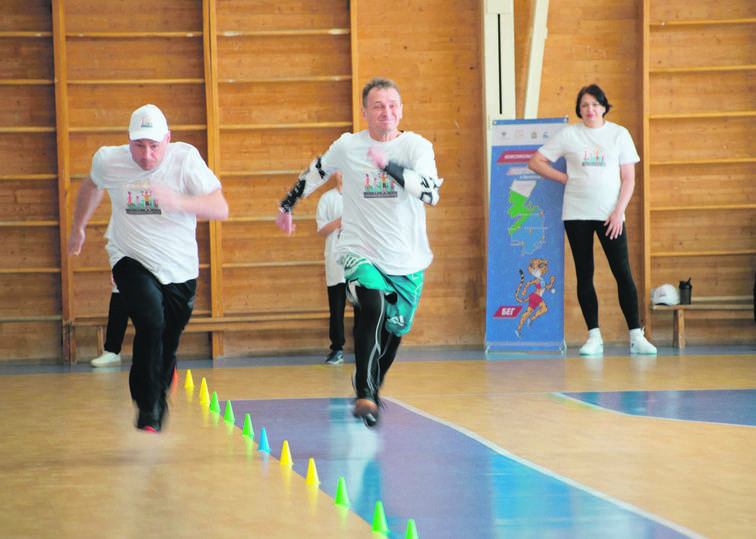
525,292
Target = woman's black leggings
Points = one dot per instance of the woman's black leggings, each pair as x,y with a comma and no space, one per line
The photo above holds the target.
580,235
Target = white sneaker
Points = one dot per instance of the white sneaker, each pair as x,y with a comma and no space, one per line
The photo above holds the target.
640,346
106,359
594,346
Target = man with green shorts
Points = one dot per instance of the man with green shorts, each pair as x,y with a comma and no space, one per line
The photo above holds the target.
389,176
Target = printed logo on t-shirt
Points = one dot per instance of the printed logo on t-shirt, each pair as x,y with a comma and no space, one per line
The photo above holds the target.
379,186
594,157
139,200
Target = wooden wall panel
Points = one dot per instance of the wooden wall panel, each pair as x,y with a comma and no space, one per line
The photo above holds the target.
270,246
718,276
275,289
26,59
699,149
722,184
694,231
98,59
32,248
29,200
672,141
30,106
730,46
29,294
672,93
265,103
111,105
40,147
133,16
243,15
263,57
261,149
437,65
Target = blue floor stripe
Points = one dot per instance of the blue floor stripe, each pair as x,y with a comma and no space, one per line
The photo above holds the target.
728,406
450,483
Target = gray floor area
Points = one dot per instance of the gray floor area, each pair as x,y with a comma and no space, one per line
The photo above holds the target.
17,368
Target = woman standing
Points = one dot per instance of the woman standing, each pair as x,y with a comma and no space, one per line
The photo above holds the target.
599,183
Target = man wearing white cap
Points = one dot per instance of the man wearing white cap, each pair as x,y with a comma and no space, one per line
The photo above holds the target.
157,191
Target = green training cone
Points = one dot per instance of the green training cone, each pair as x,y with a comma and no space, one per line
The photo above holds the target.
214,406
341,494
411,530
379,519
248,430
229,415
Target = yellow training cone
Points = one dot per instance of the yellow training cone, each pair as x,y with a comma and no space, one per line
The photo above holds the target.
286,455
312,474
189,383
204,396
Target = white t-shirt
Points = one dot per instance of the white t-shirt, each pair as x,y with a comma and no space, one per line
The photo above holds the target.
330,208
381,222
165,243
593,159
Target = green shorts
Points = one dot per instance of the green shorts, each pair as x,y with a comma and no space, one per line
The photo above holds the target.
402,291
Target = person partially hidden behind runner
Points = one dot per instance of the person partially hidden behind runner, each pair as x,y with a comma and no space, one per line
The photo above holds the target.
389,176
328,218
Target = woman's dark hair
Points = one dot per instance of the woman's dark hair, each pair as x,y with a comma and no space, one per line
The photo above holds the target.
596,92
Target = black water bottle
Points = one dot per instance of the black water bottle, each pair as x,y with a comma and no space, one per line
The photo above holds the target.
685,290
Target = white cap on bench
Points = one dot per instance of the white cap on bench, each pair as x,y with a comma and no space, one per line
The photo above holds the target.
666,294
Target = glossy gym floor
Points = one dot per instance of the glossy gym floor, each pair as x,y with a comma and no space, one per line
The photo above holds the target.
468,446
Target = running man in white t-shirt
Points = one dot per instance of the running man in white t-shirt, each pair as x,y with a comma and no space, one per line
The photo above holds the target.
157,191
598,185
388,178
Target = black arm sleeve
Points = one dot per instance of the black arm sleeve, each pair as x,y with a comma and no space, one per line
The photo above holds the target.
308,181
425,188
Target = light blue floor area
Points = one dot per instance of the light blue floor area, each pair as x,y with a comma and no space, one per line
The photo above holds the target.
451,483
729,406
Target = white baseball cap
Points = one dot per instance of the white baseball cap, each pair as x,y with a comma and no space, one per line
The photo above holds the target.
666,294
148,122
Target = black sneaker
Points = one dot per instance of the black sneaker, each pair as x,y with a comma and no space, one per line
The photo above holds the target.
366,410
336,357
148,422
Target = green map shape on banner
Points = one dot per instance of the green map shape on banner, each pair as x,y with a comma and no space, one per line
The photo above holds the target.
527,229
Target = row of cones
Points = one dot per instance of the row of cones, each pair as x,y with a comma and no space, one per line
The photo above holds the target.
342,499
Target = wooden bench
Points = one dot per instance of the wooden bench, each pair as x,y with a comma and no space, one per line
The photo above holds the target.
203,323
735,307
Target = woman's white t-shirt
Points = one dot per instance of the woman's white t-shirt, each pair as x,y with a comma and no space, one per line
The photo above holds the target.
593,157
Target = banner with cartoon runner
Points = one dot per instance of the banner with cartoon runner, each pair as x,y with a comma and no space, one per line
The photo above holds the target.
525,293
